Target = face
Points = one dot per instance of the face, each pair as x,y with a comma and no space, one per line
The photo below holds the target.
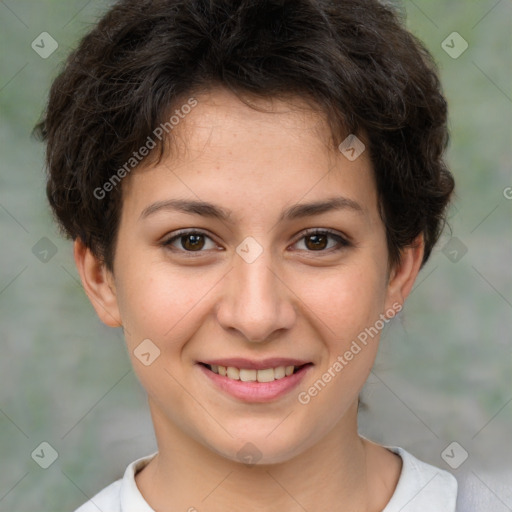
269,285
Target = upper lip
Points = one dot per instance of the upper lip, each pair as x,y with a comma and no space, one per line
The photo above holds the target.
240,362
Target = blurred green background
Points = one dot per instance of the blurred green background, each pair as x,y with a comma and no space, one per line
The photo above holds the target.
444,368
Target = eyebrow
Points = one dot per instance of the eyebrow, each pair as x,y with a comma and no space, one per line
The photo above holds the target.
213,211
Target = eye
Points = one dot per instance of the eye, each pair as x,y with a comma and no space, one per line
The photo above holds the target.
317,240
189,241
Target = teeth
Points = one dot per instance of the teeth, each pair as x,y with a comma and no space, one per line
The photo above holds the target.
233,373
279,372
267,375
246,375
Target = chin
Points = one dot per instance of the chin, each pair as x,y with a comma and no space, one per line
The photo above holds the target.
259,449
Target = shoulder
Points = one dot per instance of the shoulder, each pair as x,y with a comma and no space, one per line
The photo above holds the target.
121,495
487,490
107,499
422,487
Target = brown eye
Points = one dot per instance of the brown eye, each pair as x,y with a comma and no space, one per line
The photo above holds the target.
318,241
189,241
192,242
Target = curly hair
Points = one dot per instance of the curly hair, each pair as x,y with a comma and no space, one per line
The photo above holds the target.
352,59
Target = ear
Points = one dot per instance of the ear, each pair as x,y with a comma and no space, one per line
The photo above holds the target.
98,283
404,274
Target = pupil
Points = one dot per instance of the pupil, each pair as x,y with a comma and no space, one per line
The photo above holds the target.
318,244
196,242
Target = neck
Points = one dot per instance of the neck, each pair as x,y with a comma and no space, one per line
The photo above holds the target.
332,474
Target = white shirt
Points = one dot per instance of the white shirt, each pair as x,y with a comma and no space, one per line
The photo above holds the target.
421,488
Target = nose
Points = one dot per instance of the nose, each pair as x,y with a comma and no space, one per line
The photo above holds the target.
256,302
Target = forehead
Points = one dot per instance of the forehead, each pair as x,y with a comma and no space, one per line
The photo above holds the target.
222,120
272,152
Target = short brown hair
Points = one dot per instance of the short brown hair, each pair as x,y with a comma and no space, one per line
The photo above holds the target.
353,58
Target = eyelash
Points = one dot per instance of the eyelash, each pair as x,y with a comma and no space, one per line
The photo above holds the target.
342,242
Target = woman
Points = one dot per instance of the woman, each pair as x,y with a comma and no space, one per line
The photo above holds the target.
252,189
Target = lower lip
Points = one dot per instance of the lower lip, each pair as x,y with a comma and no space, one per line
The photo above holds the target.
257,391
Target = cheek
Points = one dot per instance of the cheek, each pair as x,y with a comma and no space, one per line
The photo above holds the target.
347,307
162,303
346,300
164,306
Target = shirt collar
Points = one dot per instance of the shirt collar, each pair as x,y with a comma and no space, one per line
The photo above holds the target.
130,497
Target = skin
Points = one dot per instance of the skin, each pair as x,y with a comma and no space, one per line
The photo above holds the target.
294,300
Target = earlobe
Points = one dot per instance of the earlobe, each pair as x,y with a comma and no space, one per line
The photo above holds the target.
98,284
404,274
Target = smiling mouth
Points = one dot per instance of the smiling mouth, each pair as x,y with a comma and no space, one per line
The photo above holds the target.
252,375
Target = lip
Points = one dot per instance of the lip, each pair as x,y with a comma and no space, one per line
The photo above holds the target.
240,362
256,391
